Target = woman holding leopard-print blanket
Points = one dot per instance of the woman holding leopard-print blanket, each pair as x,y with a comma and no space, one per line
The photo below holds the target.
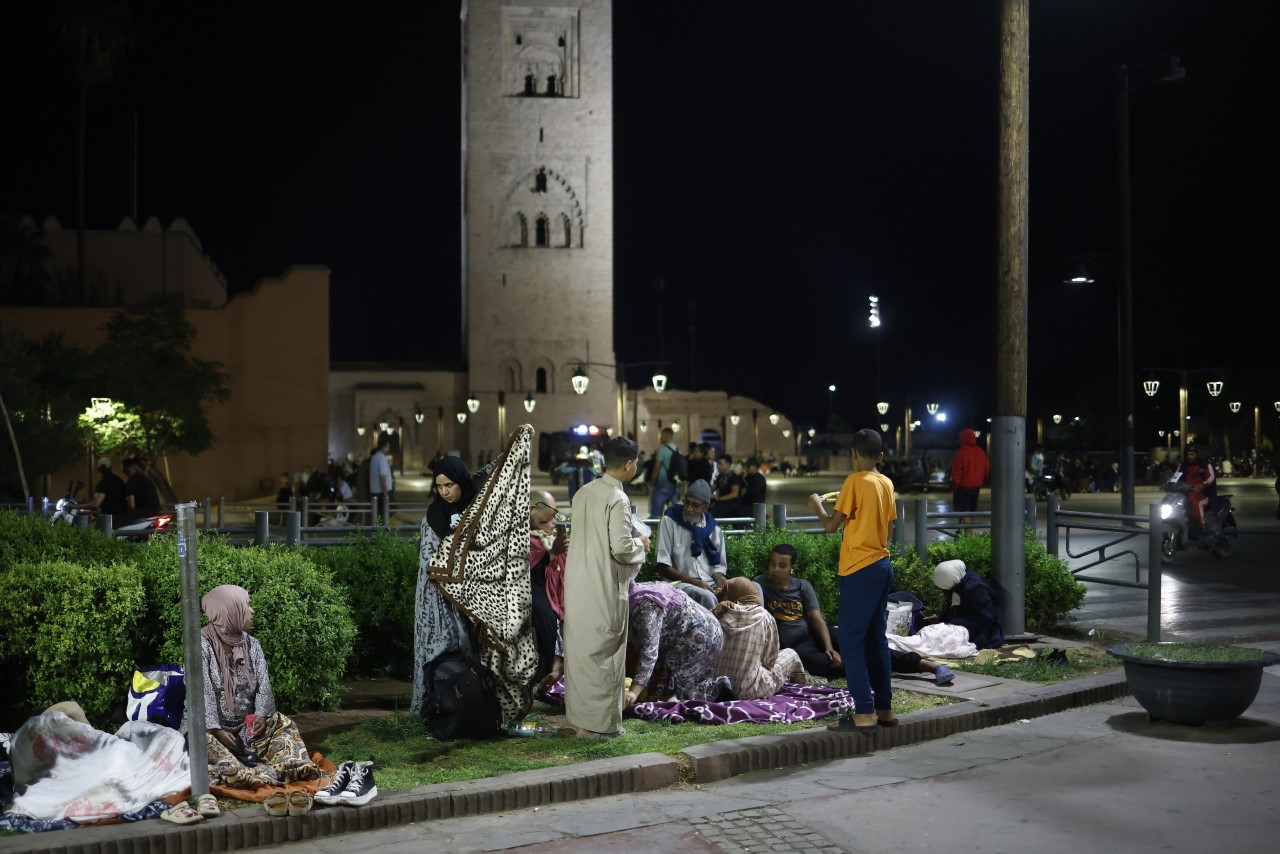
473,592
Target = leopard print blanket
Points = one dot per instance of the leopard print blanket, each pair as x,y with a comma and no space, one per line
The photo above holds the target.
483,569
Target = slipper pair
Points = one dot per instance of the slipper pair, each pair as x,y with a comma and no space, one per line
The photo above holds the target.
181,813
280,804
602,736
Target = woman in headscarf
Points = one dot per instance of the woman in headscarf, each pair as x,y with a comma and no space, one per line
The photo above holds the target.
751,657
666,625
250,743
473,590
973,603
438,626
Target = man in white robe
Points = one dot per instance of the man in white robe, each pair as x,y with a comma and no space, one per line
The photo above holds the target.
606,555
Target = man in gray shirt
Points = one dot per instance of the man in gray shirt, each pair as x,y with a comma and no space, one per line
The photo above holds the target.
691,547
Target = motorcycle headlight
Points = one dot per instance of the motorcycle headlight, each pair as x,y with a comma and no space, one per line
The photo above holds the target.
1165,511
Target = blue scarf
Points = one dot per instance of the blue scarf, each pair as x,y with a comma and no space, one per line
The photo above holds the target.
701,540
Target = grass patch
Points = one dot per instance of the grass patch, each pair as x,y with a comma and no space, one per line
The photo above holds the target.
1193,652
408,756
1082,661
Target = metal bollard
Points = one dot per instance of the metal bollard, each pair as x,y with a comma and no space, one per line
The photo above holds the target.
306,508
207,502
261,527
779,515
900,524
1029,512
31,505
82,520
293,527
385,500
1154,570
922,528
1051,523
104,523
222,509
759,516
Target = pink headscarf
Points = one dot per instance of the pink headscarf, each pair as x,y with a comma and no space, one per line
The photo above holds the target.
228,611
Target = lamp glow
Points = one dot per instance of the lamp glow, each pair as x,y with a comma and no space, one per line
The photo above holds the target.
462,417
418,414
1234,406
360,430
1057,419
884,427
529,402
1151,387
1215,387
644,426
931,408
734,419
580,380
883,407
675,426
659,383
812,432
382,425
773,418
473,403
786,432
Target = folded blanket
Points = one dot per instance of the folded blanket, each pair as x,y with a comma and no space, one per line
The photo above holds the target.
940,640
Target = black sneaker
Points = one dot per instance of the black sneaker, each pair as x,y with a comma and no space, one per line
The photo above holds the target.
332,793
360,787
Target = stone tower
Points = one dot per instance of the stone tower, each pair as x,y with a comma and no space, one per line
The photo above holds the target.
537,213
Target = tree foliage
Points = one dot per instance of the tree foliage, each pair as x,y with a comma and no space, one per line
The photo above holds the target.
159,392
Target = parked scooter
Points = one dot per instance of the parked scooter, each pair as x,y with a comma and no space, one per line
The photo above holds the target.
137,530
1176,521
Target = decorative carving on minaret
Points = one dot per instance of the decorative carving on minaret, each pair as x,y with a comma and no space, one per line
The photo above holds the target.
540,52
544,199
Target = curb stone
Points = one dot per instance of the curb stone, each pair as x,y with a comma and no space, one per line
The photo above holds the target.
237,830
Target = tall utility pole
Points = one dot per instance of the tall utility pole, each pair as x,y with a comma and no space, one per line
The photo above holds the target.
1009,424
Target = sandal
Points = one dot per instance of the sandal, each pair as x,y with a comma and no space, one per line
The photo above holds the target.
276,804
299,803
181,813
207,806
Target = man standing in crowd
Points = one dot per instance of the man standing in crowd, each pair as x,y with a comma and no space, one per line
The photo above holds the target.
381,480
969,470
663,484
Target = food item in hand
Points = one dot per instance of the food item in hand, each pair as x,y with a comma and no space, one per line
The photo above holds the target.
830,496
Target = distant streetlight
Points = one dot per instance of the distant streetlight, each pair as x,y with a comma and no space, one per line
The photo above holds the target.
773,418
1151,387
383,426
1234,406
644,426
734,419
529,402
473,403
580,380
812,432
675,426
462,417
418,414
1215,387
1057,419
786,432
873,318
360,430
884,427
659,382
931,408
883,407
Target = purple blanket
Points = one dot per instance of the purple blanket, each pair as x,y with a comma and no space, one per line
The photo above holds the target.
793,704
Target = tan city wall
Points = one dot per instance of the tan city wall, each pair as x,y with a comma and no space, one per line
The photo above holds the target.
274,344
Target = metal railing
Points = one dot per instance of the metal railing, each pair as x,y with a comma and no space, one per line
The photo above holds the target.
1125,527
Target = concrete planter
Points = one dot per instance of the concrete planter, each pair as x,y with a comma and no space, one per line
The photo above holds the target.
1182,684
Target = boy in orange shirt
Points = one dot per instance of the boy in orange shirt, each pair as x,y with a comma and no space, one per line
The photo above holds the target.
866,509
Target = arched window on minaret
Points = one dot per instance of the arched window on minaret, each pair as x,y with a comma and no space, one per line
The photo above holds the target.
540,181
566,230
528,83
551,85
519,230
542,233
540,381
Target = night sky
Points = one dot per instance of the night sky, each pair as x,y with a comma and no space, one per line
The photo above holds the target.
774,164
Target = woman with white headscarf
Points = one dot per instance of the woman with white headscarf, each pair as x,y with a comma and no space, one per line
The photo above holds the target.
973,603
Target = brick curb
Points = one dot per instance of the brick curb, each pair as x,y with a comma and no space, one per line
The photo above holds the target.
237,830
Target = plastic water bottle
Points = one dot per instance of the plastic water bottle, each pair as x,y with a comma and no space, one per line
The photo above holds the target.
532,729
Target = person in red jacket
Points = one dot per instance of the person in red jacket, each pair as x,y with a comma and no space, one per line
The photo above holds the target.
969,470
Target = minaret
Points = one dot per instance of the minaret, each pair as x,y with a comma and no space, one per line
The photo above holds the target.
537,213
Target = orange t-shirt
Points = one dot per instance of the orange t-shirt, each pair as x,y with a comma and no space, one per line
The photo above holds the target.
867,500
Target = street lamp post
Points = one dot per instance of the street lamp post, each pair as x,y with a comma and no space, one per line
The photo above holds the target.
1172,73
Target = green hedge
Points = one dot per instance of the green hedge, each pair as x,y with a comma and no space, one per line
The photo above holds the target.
69,635
380,577
75,625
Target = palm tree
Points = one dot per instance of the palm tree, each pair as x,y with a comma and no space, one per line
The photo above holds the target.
96,33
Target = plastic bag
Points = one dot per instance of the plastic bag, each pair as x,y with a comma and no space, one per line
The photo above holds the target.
899,618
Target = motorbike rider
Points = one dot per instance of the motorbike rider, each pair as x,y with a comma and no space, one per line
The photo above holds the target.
140,493
1199,475
108,493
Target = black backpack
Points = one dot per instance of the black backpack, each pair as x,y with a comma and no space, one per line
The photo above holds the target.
460,700
677,467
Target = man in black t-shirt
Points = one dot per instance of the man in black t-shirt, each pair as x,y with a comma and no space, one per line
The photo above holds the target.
108,493
755,483
730,492
139,492
794,605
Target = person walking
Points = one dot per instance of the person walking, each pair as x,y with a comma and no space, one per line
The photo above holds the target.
663,483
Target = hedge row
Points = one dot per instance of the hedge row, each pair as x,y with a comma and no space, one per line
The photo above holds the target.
81,611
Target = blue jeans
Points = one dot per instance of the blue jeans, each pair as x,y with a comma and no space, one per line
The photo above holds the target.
863,646
659,500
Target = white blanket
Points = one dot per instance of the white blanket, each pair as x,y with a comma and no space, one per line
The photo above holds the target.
940,640
66,769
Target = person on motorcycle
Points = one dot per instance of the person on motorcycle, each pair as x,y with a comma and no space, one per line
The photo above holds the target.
1199,476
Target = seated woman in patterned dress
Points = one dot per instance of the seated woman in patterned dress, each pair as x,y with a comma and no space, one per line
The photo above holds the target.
751,657
666,625
250,743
